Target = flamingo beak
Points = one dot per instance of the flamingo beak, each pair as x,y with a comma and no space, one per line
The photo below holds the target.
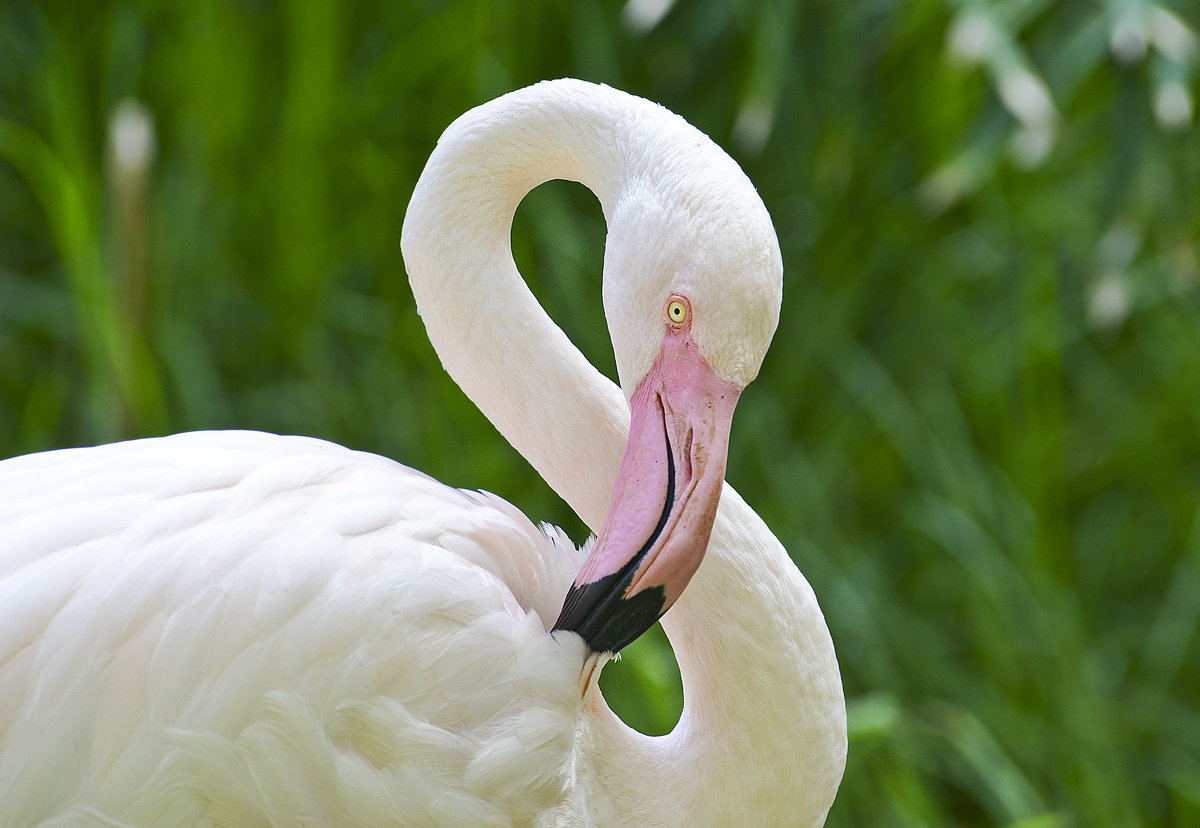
664,500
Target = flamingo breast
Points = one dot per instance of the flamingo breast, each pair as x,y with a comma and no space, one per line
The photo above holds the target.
237,627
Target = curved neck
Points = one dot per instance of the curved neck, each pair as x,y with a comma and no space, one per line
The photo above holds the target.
491,334
762,736
764,720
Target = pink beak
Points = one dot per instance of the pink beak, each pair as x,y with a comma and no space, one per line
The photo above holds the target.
664,501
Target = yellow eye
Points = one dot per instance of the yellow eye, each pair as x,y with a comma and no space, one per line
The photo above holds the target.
677,311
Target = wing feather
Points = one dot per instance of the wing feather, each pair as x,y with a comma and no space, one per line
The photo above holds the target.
236,627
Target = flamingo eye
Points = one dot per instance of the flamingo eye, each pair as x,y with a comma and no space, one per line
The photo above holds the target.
677,312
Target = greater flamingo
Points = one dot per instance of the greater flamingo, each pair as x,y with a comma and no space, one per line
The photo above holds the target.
237,628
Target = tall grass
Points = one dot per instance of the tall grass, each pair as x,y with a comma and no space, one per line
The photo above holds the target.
978,431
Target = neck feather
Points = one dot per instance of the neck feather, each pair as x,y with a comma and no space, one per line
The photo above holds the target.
763,727
762,737
491,334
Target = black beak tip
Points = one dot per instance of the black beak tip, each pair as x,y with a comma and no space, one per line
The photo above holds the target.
607,619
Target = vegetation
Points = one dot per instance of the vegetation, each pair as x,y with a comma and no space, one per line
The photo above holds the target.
978,431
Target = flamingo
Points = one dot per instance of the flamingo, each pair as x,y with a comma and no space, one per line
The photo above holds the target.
238,628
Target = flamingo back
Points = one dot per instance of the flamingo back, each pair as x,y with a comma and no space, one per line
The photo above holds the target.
239,628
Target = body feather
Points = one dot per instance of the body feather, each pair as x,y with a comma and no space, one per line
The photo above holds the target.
321,624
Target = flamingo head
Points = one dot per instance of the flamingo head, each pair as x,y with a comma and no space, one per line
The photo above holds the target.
692,288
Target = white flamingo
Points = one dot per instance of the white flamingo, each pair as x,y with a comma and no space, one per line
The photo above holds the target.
235,628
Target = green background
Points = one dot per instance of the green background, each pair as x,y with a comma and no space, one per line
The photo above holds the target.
977,432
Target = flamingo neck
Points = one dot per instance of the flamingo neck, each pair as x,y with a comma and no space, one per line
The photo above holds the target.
762,736
763,726
491,334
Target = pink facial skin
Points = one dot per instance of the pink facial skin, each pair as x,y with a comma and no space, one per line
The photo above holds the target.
664,501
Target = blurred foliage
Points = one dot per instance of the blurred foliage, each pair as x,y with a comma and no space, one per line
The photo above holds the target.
978,431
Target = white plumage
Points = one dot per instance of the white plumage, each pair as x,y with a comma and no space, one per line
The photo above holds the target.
217,626
235,628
